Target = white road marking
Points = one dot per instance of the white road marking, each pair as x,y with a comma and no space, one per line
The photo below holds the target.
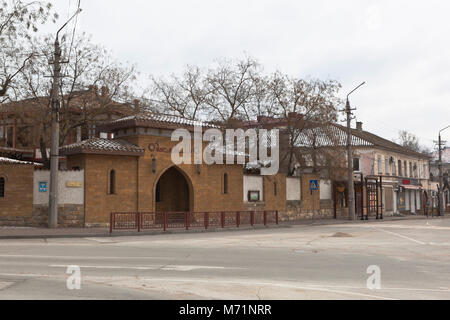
76,257
190,268
392,226
101,240
401,236
108,267
148,267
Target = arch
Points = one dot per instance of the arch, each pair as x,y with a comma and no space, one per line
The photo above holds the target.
173,191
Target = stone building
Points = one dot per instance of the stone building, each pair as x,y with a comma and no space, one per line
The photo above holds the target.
134,172
389,178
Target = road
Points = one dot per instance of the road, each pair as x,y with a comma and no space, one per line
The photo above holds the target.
301,262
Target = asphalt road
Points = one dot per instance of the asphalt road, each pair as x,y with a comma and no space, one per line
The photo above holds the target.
302,262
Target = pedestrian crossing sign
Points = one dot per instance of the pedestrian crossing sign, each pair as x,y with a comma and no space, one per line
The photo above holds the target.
314,185
43,186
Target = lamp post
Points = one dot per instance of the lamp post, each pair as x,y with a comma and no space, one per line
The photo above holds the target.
54,151
351,186
441,176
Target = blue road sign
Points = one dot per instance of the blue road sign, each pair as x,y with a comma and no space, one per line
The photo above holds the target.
313,185
43,186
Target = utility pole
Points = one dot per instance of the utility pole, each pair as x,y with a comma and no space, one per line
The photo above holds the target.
441,175
351,187
54,151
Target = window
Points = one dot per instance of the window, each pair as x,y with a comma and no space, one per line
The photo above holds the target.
2,187
380,167
275,191
225,183
254,196
424,171
394,169
112,182
386,166
400,168
357,164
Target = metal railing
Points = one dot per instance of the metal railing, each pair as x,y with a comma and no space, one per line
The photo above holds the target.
164,221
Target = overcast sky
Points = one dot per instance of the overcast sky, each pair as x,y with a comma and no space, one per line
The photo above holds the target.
400,48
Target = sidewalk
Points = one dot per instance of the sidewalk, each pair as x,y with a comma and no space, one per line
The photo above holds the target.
44,233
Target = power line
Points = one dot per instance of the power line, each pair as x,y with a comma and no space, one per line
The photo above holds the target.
74,28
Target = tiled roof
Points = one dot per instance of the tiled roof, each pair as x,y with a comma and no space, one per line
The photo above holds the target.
336,135
387,144
148,117
14,161
328,136
99,145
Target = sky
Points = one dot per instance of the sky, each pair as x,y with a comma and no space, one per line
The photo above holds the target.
401,49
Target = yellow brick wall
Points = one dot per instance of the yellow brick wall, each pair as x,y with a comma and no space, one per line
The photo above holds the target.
18,200
98,203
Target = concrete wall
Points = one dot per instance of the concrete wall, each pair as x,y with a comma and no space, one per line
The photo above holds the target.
66,194
253,183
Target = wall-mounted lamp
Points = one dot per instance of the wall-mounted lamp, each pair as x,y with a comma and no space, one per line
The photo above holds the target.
198,169
154,165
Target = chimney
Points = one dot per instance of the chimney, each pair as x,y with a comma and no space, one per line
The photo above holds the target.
136,103
294,115
105,91
359,126
264,119
93,89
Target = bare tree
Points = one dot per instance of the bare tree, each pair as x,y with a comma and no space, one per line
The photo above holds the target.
185,96
89,66
229,91
302,103
411,141
18,21
232,88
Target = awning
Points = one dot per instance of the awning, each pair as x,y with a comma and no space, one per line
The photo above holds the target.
410,187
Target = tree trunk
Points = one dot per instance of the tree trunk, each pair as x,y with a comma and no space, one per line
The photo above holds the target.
43,148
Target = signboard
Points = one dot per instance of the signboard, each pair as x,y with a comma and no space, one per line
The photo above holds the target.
253,196
43,186
74,184
154,147
313,185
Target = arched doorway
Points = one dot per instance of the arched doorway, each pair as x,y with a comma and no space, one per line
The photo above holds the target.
173,192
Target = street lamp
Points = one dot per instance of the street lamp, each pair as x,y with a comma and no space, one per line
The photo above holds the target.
441,177
351,187
54,151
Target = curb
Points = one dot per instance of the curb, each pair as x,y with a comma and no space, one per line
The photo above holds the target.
134,233
193,231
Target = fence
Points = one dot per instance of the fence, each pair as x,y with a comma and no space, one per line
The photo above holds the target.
189,220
